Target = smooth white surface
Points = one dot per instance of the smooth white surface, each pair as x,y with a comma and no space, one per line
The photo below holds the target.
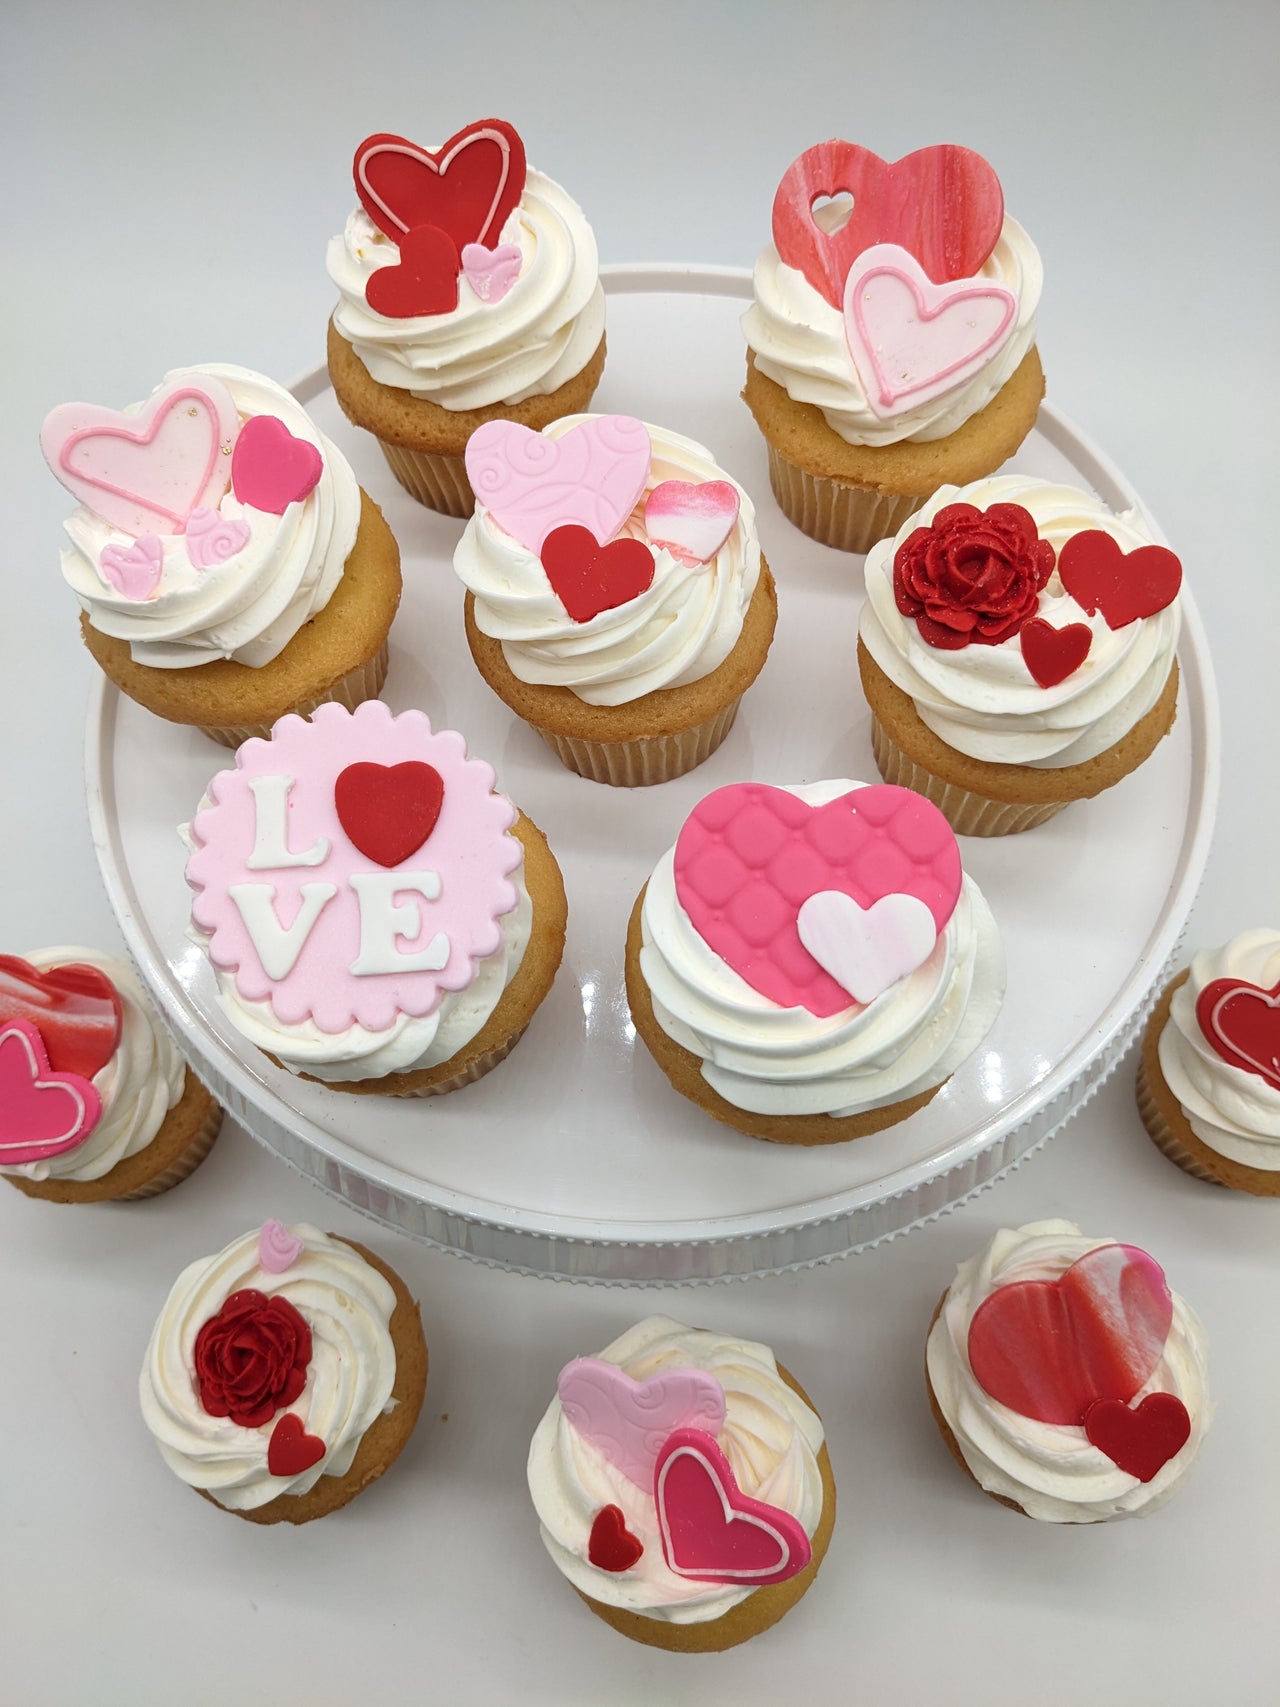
173,175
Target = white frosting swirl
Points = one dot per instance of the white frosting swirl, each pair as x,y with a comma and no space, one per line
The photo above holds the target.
1235,1112
346,1304
681,628
1052,1470
539,335
770,1437
139,1084
769,1059
983,700
799,342
249,606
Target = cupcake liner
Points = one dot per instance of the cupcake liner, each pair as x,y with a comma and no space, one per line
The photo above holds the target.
850,518
1162,1134
968,814
364,682
468,1076
439,482
186,1163
641,763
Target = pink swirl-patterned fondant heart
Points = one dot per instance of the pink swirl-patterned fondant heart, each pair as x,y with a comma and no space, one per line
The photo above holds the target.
749,856
628,1421
591,476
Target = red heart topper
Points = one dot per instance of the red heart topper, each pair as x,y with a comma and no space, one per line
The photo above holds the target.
291,1450
1052,654
1242,1023
76,1009
388,811
1124,586
943,204
1142,1440
713,1532
424,282
612,1546
588,577
467,187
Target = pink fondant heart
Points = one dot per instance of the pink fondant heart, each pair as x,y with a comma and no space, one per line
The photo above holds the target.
1242,1023
692,519
866,950
42,1113
1140,1441
1048,1348
147,470
134,570
713,1532
270,468
749,856
212,538
591,476
1123,585
912,340
278,1249
628,1421
491,272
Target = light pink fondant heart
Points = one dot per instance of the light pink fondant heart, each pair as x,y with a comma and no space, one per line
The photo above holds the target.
491,272
749,856
712,1531
530,483
692,519
134,570
628,1421
866,950
270,468
911,339
278,1249
212,538
42,1113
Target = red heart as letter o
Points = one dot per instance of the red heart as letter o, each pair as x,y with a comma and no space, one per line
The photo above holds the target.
388,811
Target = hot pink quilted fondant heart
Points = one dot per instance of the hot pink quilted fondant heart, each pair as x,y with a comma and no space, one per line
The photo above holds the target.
692,519
749,856
629,1421
491,272
134,570
1049,1348
1242,1023
866,950
270,468
42,1113
530,483
712,1531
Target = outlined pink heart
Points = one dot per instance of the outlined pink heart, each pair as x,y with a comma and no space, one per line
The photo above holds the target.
134,570
629,1421
42,1113
1140,1441
591,476
1241,1022
866,950
749,856
270,468
468,186
1123,585
713,1532
691,518
1052,654
145,471
491,272
1048,1348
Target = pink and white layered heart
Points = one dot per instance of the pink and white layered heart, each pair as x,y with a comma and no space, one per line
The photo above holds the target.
691,519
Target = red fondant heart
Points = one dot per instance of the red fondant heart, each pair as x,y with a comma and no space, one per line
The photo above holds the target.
588,577
1122,585
291,1449
713,1532
1242,1022
1141,1440
388,811
426,280
270,468
1049,1348
467,187
1052,654
612,1546
76,1010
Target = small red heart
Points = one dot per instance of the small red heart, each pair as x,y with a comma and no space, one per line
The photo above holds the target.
76,1010
612,1546
388,811
424,282
1142,1440
1242,1022
1122,585
1052,654
588,577
291,1449
270,468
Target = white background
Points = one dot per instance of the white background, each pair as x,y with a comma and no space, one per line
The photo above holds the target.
173,173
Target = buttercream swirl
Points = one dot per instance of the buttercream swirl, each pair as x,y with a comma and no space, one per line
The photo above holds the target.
770,1437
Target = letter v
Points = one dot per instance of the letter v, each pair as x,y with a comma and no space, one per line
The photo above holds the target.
278,947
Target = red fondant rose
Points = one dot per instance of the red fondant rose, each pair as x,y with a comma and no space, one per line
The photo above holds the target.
974,576
251,1358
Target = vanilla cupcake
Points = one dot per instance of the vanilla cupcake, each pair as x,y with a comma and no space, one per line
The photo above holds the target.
96,1104
810,964
469,292
229,569
617,599
1066,1378
683,1486
892,351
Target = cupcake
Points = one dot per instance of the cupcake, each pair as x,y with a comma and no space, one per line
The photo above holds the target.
891,347
1208,1080
683,1486
469,291
1066,1378
810,964
617,599
284,1374
1017,650
426,915
229,568
96,1104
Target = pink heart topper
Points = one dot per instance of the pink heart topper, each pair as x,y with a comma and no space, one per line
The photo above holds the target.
912,340
692,519
591,476
749,856
713,1532
278,1249
866,950
134,570
270,468
629,1421
146,470
491,272
1242,1023
42,1113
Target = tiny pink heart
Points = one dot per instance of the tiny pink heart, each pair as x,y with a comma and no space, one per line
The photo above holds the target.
270,468
692,519
530,483
628,1421
713,1532
491,272
278,1249
134,570
866,950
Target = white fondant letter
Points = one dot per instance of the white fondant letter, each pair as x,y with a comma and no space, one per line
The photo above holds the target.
271,827
278,947
383,923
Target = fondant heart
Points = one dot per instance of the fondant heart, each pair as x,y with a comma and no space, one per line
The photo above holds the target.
692,519
628,1421
591,476
866,950
388,811
1048,1348
1124,586
588,577
134,570
291,1450
147,470
212,538
943,205
611,1545
278,1249
270,468
76,1009
1242,1023
491,272
1143,1440
912,340
42,1113
1052,654
425,281
712,1531
749,856
467,187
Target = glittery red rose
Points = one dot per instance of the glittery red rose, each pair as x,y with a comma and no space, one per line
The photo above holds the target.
251,1358
974,576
